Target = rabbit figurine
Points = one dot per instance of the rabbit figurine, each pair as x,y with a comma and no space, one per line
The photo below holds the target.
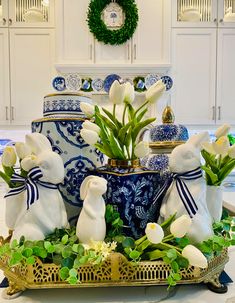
91,222
187,195
47,212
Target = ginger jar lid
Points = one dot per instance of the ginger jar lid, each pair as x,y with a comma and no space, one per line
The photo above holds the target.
168,134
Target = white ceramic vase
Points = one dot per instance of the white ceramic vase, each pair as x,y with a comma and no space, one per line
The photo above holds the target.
214,199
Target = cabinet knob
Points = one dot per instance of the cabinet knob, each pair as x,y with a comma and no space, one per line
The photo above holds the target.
213,113
219,112
215,20
7,117
10,22
12,113
221,20
4,21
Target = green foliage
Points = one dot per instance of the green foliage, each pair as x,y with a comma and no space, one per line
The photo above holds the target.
108,36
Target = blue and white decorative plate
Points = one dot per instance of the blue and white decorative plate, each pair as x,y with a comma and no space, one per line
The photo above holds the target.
97,84
150,79
108,81
86,85
58,83
4,143
73,82
167,81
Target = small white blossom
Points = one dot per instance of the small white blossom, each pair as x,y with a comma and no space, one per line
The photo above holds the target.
194,256
154,233
129,93
9,156
223,130
91,126
89,136
155,91
87,109
117,92
181,226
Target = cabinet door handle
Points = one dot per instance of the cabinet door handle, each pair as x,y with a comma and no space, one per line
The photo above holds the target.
10,22
91,49
12,113
219,112
221,20
4,21
213,112
7,118
135,51
215,20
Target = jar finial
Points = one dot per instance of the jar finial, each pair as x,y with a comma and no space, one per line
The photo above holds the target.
168,116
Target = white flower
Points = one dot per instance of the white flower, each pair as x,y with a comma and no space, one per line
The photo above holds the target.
231,151
29,162
155,91
129,93
89,136
142,149
220,147
91,126
154,233
194,256
181,226
117,92
22,150
87,109
9,156
223,130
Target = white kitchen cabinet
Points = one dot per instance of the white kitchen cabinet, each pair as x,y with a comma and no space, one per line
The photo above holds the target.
150,43
194,74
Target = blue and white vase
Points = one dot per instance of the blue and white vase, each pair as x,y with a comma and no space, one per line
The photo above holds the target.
131,190
78,157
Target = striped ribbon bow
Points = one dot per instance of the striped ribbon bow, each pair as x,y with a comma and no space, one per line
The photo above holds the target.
183,191
30,184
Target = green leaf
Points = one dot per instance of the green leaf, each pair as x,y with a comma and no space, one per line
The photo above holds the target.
176,276
213,176
128,242
64,239
78,248
83,259
72,280
67,262
141,115
175,266
134,254
14,244
73,272
182,262
108,123
115,147
156,254
168,222
226,170
171,254
27,252
15,258
64,273
31,260
140,126
67,252
112,118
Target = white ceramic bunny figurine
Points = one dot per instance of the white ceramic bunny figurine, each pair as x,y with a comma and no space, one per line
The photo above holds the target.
187,195
91,222
47,212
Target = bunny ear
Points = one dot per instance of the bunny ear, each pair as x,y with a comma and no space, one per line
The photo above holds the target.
198,139
84,186
38,143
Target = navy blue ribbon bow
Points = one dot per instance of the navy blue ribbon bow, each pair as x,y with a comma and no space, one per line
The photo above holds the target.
30,184
183,191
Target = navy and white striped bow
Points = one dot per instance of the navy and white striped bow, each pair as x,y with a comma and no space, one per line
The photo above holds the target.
30,184
183,191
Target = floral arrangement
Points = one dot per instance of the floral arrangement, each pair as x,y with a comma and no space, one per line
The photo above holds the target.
219,157
119,139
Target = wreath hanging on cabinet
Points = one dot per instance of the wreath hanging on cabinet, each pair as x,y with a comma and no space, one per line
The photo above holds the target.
107,35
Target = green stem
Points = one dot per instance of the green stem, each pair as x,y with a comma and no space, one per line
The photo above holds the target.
166,245
6,178
128,152
114,110
168,238
139,241
124,113
143,105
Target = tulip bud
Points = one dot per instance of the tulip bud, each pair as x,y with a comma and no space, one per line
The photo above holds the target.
221,146
22,150
9,156
91,126
89,136
154,233
155,91
223,130
180,226
129,93
231,152
29,162
194,256
117,92
87,109
142,149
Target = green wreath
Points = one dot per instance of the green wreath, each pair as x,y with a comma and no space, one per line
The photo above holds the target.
100,30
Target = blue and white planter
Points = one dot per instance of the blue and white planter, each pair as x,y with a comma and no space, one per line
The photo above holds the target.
78,157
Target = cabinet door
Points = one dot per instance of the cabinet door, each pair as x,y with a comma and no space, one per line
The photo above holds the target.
152,34
226,13
4,77
111,54
31,13
3,13
194,74
225,78
75,42
32,60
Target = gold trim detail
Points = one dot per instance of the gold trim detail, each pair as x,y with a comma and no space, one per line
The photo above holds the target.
66,94
59,118
165,144
124,163
168,116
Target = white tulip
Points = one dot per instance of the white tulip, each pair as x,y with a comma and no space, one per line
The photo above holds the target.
231,151
154,233
9,156
117,92
129,93
223,130
181,226
155,91
142,149
194,256
89,136
29,162
207,146
22,150
221,146
87,109
91,126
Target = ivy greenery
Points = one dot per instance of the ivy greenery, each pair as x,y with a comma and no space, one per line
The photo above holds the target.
108,36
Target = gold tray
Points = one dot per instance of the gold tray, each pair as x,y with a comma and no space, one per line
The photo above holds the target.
115,271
